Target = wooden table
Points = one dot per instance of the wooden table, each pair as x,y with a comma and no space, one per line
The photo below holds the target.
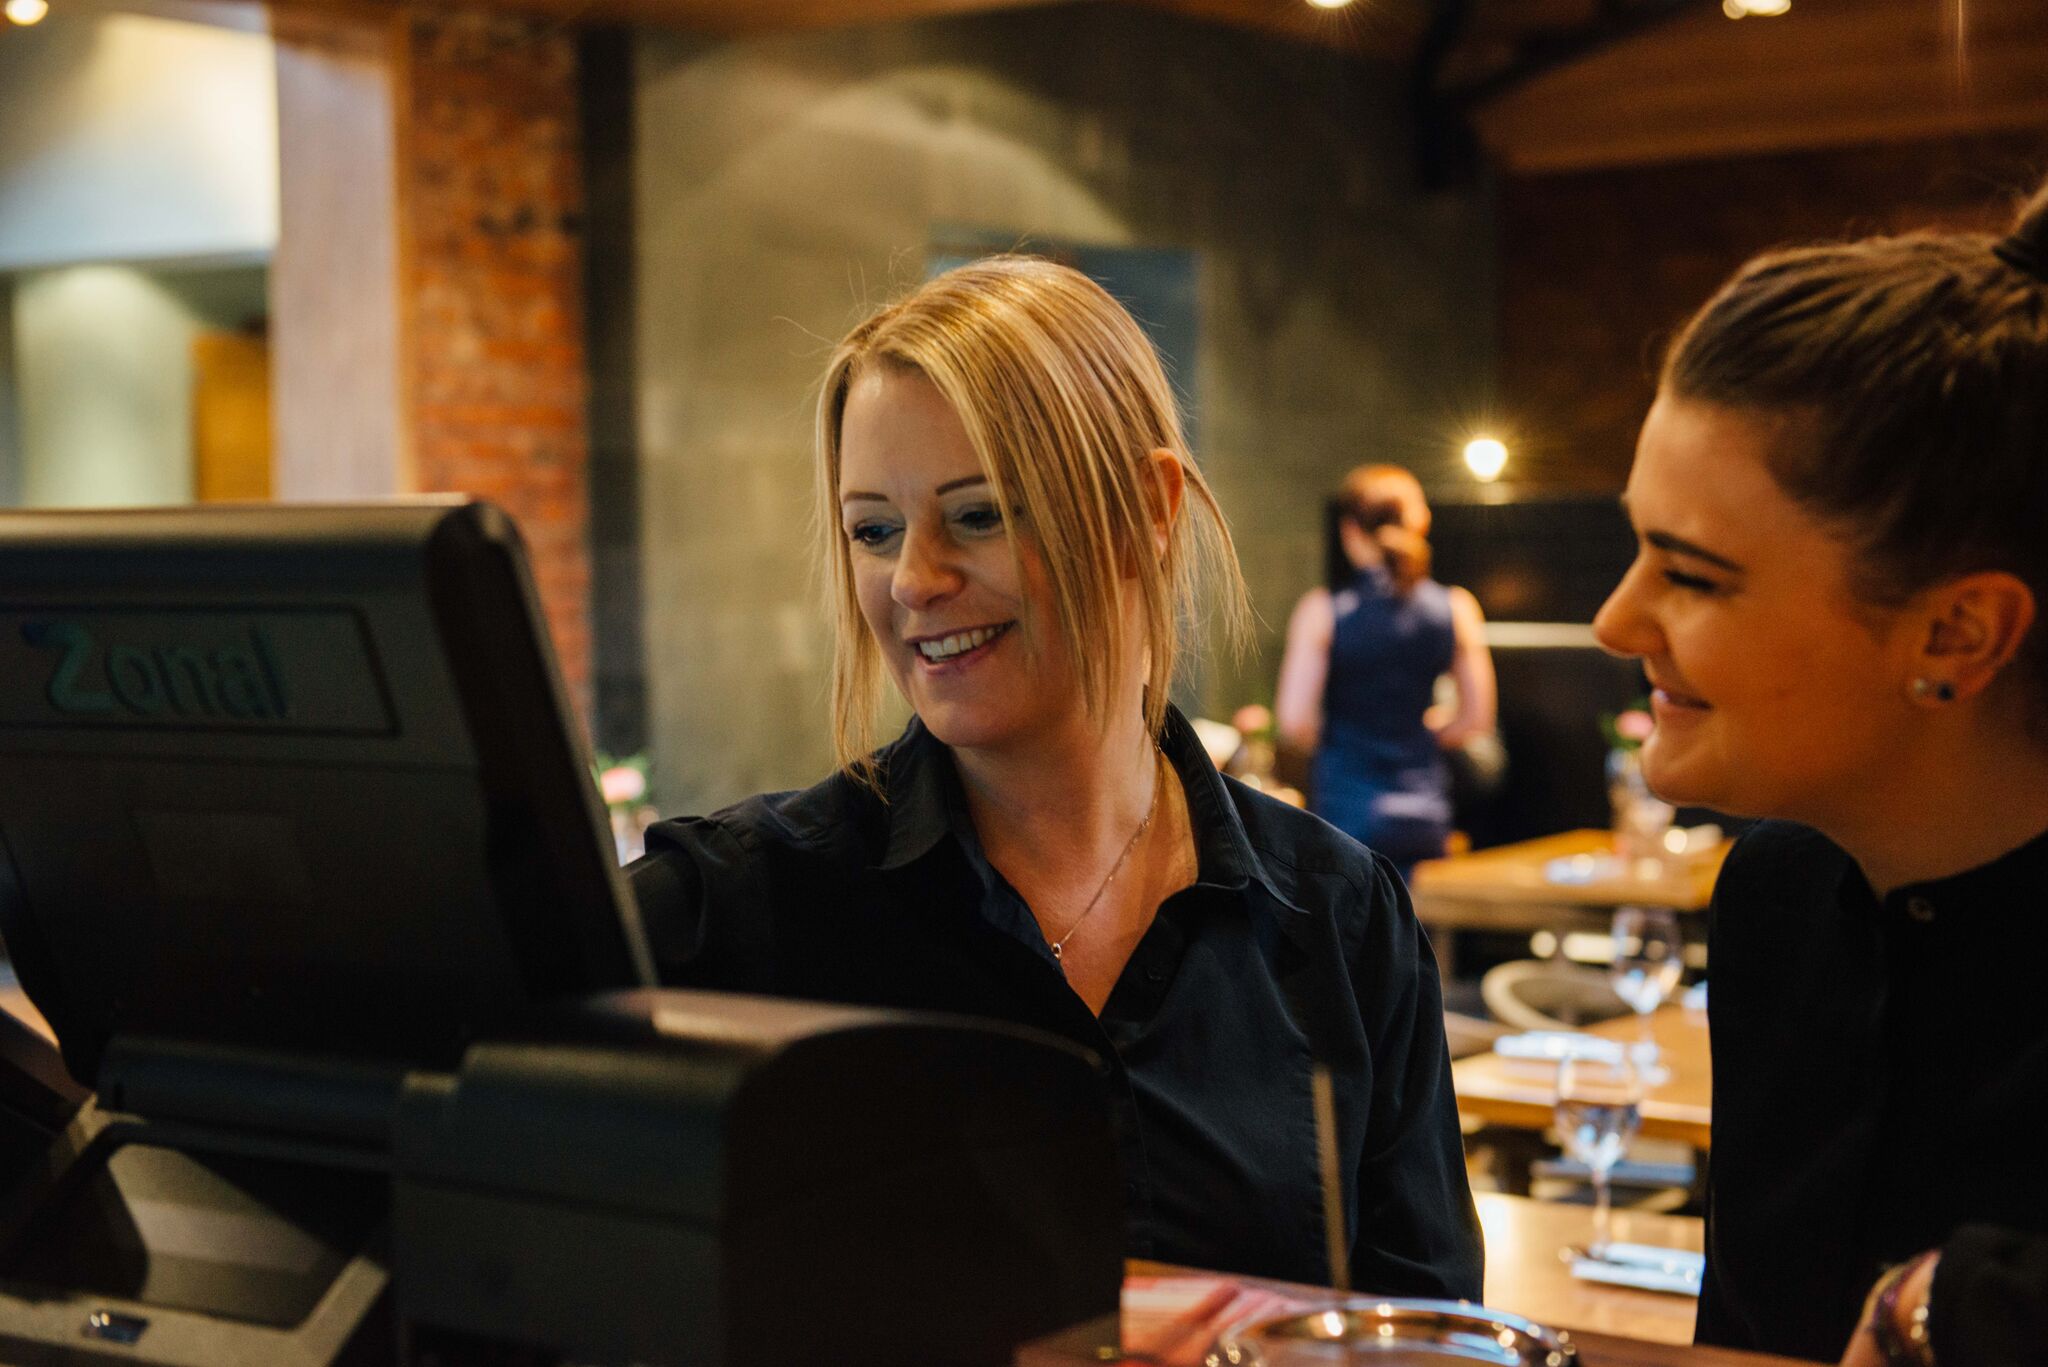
1526,1275
1512,887
1523,1094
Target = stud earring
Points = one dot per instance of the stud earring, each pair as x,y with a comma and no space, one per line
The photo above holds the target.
1933,690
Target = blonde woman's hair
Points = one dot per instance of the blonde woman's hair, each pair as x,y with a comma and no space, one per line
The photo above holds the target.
1063,398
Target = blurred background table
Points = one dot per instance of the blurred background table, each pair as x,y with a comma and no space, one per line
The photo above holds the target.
1526,1274
1514,886
1515,1099
1518,887
1523,1093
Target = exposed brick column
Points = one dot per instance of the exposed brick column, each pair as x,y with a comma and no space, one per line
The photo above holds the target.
491,308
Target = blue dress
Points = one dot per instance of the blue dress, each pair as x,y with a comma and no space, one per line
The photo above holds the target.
1379,774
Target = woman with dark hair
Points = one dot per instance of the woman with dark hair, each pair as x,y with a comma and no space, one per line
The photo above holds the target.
1841,504
1359,675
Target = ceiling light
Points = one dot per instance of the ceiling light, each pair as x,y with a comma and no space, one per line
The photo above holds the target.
1485,458
26,12
1329,4
1763,9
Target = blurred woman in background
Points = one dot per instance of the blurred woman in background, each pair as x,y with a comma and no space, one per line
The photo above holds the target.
1841,505
1358,680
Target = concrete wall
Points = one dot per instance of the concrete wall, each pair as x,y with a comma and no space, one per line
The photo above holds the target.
788,186
10,419
103,378
128,137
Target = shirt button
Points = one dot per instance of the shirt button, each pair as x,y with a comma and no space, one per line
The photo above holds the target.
1919,909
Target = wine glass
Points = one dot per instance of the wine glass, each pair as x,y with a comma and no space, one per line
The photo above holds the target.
1641,818
1599,1107
1649,960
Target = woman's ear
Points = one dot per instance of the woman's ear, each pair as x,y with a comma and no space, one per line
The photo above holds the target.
1972,627
1169,481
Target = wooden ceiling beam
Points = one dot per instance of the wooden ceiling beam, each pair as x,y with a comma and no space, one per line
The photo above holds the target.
764,16
1384,29
742,18
1539,50
1829,73
1826,74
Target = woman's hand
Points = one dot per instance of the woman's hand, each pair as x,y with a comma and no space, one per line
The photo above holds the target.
1863,1349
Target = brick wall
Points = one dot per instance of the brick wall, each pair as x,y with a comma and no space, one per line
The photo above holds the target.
491,195
1599,268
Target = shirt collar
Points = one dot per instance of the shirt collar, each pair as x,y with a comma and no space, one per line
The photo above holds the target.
1223,850
922,791
926,803
1986,890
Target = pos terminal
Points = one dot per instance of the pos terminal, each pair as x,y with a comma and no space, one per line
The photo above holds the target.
301,860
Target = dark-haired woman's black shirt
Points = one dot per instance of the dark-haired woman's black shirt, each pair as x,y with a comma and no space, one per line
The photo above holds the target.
1880,1088
1294,945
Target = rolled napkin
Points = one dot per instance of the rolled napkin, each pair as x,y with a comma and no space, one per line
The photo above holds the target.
1552,1047
1645,1267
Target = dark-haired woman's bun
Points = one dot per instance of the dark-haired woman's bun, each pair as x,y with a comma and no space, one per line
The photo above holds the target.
2025,248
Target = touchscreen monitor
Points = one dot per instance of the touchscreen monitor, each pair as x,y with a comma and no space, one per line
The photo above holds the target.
293,778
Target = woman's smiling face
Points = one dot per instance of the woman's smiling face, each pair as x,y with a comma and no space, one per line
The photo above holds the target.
1777,692
934,572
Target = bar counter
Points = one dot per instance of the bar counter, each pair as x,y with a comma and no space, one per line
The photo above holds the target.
1612,1326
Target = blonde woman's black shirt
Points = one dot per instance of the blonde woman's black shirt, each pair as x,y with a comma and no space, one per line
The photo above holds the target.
1880,1088
1295,944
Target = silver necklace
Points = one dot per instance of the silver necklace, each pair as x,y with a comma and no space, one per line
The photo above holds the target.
1059,946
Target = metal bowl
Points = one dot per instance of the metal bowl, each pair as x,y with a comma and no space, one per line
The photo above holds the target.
1389,1332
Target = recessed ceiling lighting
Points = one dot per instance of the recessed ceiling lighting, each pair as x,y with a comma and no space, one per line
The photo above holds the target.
26,12
1763,9
1485,458
1329,4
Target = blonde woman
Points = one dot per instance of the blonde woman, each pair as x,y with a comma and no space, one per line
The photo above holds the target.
1015,535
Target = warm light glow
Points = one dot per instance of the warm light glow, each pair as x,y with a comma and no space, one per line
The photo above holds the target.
1485,458
1764,9
1329,4
26,12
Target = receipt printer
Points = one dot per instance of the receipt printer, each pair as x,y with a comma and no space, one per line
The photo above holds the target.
681,1177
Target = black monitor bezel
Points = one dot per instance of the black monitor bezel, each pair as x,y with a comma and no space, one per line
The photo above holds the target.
565,909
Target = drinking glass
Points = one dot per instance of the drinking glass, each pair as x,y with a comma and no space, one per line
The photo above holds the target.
1649,960
1641,818
1599,1107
